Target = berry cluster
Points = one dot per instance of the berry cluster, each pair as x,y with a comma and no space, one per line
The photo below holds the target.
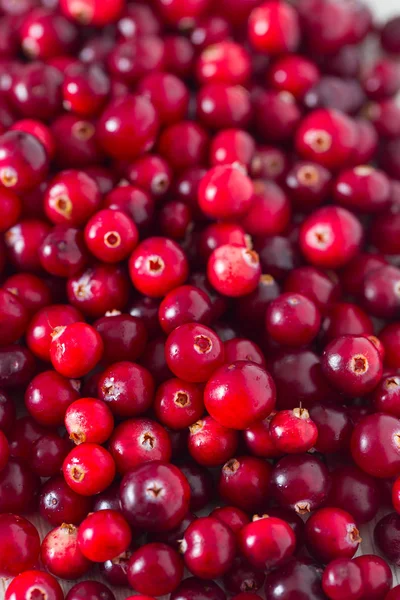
200,299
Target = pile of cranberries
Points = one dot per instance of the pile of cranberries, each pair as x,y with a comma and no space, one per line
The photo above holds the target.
200,299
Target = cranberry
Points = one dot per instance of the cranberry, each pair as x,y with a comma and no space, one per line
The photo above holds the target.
179,404
17,366
168,94
127,388
249,473
75,349
155,569
293,431
157,266
298,579
85,93
334,427
89,420
99,289
380,292
386,536
376,575
127,127
71,198
103,535
278,256
232,146
331,533
151,173
274,28
267,542
20,546
45,34
18,487
7,413
294,74
354,490
111,236
393,594
196,589
14,318
61,555
362,188
79,147
89,12
139,441
36,93
193,352
60,504
233,270
301,483
345,319
208,548
270,210
239,394
88,469
115,571
232,517
178,55
30,583
23,435
342,579
48,396
278,116
23,243
90,590
352,365
155,496
243,576
211,444
11,208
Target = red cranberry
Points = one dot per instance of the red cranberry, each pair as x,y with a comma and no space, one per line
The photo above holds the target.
327,137
243,576
89,420
334,427
90,590
168,94
178,55
115,571
89,469
63,252
127,388
301,483
85,93
13,318
354,490
157,266
45,34
36,92
79,147
245,473
127,127
11,208
208,548
390,339
211,444
376,575
111,236
193,352
71,198
352,365
278,255
386,397
17,366
7,413
60,504
293,431
103,535
20,546
151,173
4,451
124,337
23,435
155,496
363,188
175,220
75,349
346,319
155,569
99,289
274,28
292,320
88,12
380,292
48,396
232,146
232,517
393,594
233,270
139,441
61,555
31,583
270,210
308,184
294,74
201,485
267,542
298,579
331,533
233,395
342,580
179,404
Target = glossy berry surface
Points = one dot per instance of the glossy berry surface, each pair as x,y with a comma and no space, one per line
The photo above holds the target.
104,535
34,582
267,542
155,569
331,533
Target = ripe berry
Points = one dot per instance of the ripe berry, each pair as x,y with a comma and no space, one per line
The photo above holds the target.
239,394
90,12
193,352
89,469
61,555
127,388
274,28
157,266
292,320
293,431
331,533
104,535
342,580
20,546
352,365
267,542
71,198
208,548
211,444
111,236
225,192
89,420
234,270
179,404
375,445
249,473
31,583
155,496
75,349
155,569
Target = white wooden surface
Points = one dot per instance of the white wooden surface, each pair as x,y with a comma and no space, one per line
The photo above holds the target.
383,9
